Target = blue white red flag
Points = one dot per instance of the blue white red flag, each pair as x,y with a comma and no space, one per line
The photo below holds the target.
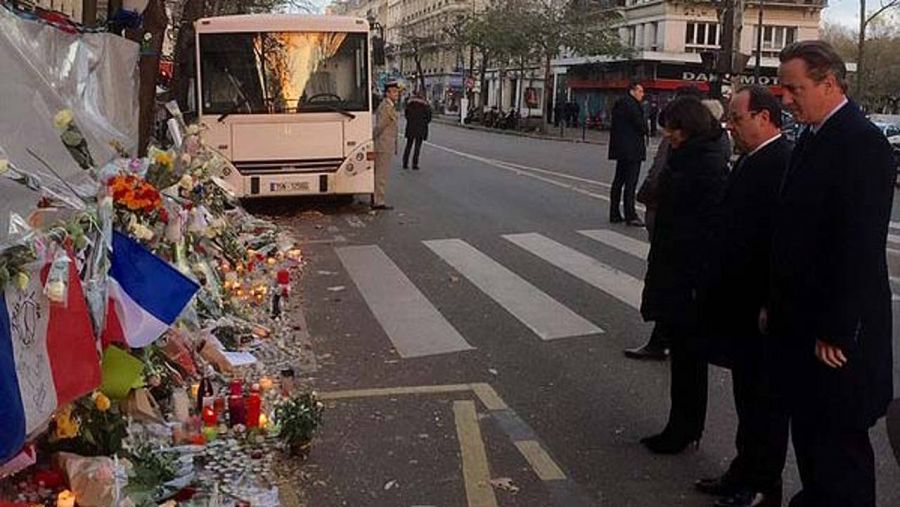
147,294
48,357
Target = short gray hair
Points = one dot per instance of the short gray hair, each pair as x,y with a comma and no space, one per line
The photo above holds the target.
821,60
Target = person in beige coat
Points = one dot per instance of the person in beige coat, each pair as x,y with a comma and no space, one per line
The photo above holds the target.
386,131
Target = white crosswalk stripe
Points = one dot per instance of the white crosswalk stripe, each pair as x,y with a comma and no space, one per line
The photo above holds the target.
627,244
545,316
413,324
618,284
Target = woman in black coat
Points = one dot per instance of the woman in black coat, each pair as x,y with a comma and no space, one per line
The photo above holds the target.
689,191
418,116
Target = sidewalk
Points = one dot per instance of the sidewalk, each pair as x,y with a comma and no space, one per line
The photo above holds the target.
573,135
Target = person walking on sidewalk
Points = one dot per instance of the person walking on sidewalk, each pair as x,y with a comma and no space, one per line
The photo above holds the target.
418,116
385,135
689,190
628,147
829,310
737,297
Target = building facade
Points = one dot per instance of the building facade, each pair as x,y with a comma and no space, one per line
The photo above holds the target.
668,38
423,31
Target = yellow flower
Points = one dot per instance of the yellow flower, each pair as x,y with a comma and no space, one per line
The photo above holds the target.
101,402
63,119
163,158
22,280
66,426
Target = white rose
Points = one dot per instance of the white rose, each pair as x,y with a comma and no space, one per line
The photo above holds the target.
56,291
4,166
63,119
193,129
186,182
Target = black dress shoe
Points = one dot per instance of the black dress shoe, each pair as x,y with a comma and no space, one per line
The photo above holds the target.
648,352
415,168
724,485
750,498
616,220
381,207
668,443
634,222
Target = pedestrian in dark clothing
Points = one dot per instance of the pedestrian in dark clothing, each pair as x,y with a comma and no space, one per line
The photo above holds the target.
418,116
653,116
576,113
737,297
657,348
830,299
689,190
558,112
628,147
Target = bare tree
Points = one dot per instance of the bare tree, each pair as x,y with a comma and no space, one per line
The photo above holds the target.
415,44
864,20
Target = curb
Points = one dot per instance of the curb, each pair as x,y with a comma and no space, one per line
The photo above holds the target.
455,123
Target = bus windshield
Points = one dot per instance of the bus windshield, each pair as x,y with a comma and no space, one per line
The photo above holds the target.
283,72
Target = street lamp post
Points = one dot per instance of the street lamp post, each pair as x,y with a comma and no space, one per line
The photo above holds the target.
759,33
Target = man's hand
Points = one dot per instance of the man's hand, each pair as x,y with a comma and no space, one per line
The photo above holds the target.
829,354
763,321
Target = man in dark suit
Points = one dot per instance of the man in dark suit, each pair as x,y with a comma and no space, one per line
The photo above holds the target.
830,300
754,477
628,147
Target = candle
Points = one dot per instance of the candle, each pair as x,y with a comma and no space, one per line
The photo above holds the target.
65,499
195,388
265,383
263,421
209,416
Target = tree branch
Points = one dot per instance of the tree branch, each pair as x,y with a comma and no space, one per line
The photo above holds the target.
884,7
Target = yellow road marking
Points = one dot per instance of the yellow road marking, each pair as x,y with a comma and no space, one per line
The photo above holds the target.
476,472
540,461
489,397
394,391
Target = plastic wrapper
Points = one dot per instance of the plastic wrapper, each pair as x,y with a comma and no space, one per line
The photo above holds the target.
96,482
176,348
47,70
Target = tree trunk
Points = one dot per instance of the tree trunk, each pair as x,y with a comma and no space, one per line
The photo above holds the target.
185,52
418,59
548,93
482,72
860,51
155,23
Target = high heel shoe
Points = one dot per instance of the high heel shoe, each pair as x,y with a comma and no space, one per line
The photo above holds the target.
668,443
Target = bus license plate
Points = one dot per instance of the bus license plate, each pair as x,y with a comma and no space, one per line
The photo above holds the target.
289,186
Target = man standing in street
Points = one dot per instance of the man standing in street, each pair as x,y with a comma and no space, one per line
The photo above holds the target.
385,142
628,147
829,308
418,116
738,296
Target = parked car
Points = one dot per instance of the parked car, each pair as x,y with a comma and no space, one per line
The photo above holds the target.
891,131
790,129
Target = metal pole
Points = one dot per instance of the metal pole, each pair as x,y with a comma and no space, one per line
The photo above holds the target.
759,34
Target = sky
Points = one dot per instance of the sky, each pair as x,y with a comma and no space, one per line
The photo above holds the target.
844,12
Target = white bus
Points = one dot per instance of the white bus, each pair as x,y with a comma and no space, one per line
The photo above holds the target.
287,99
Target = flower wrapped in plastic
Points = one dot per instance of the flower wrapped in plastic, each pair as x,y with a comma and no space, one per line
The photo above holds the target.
73,139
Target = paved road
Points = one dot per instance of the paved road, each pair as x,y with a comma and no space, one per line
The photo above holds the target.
495,301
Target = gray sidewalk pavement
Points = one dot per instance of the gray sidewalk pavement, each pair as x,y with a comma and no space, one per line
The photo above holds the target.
572,135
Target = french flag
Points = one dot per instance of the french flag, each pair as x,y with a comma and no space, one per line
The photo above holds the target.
146,294
48,357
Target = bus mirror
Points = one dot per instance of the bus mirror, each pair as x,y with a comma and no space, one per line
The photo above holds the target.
378,51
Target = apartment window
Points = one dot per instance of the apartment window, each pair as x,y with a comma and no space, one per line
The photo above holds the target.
774,38
701,36
630,36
